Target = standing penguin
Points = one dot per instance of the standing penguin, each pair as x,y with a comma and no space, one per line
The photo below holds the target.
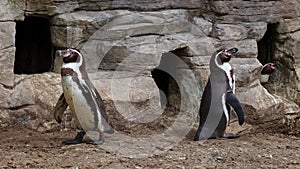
217,98
82,98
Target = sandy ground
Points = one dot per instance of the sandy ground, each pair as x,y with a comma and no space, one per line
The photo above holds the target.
23,148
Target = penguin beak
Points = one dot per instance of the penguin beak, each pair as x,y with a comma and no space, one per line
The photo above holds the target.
66,53
226,54
63,53
59,53
232,50
276,65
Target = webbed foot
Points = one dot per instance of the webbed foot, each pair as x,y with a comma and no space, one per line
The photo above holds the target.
231,136
77,140
97,142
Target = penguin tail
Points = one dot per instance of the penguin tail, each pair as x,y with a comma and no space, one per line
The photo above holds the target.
109,130
197,137
232,100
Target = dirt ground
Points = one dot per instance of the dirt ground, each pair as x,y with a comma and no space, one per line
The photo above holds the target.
24,148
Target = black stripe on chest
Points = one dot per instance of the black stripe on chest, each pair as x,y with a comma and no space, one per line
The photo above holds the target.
86,91
68,72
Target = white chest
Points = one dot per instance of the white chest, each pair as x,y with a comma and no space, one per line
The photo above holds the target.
231,78
79,104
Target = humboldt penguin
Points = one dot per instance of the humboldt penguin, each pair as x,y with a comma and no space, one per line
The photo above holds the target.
218,97
82,98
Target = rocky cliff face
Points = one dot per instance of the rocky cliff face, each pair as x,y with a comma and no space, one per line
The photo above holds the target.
128,46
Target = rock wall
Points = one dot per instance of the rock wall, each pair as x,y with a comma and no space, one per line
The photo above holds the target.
124,41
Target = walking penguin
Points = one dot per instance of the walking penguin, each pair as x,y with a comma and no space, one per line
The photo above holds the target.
218,97
82,98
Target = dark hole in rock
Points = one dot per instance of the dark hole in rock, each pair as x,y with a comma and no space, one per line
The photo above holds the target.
266,46
162,80
266,54
34,50
164,77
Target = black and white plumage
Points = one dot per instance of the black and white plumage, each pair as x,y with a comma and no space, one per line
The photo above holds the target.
82,98
218,97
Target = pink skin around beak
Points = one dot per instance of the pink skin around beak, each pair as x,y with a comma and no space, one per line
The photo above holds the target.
67,54
227,54
273,66
268,68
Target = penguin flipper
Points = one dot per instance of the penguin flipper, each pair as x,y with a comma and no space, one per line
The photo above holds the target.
203,111
59,108
232,100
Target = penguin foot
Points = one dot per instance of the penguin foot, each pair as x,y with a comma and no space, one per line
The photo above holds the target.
77,140
92,142
231,136
70,142
98,142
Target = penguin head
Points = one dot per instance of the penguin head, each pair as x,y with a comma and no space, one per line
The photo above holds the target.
269,68
72,56
225,54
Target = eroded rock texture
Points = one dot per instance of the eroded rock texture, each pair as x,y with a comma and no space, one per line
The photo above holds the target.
129,45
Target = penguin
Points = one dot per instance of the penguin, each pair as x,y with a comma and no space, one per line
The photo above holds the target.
218,98
82,97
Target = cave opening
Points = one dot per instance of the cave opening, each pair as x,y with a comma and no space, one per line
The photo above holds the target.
162,80
34,49
165,76
266,46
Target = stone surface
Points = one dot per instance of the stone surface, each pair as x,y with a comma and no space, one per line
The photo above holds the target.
138,53
267,110
135,98
286,81
12,11
255,30
289,25
142,5
7,68
227,32
203,25
32,98
247,48
253,11
201,46
247,70
7,50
